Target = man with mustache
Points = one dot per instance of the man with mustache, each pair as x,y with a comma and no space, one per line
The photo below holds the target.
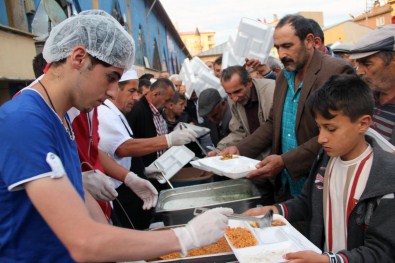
290,129
375,55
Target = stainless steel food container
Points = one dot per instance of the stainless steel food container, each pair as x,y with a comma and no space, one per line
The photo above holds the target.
226,257
217,258
176,205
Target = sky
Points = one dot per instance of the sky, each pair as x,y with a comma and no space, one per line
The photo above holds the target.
223,16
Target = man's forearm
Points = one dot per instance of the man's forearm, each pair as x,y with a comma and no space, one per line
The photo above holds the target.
140,147
112,168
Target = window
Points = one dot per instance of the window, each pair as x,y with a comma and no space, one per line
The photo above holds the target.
380,21
141,51
156,61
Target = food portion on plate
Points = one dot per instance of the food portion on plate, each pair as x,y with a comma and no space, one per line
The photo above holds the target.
221,246
275,222
228,157
240,237
278,222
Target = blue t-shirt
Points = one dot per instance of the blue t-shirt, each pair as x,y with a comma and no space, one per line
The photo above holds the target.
29,130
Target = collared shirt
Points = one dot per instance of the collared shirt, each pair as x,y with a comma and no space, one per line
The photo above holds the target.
159,122
288,128
251,109
384,117
114,130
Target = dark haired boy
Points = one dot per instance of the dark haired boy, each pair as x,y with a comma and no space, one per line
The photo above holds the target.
348,199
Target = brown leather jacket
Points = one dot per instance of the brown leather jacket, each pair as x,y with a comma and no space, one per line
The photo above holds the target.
299,160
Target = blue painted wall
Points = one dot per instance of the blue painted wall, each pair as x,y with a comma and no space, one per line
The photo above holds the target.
3,14
152,27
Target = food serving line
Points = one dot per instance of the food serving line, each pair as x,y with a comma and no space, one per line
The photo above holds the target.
243,241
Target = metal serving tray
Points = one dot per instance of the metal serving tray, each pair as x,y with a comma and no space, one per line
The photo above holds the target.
216,258
226,257
176,205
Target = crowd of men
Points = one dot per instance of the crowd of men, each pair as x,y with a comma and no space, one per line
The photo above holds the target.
85,186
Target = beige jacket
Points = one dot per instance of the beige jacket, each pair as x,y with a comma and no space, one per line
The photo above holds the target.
238,124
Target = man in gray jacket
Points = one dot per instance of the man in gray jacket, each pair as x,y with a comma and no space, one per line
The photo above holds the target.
249,101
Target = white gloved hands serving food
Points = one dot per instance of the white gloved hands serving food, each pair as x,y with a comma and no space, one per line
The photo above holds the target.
180,137
204,229
99,185
143,189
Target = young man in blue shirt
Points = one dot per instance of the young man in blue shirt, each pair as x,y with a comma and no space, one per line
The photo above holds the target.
43,216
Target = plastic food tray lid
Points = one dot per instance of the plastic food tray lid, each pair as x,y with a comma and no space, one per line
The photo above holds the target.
237,167
272,242
172,161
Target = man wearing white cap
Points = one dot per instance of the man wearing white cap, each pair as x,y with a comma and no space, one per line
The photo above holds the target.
43,214
116,139
375,56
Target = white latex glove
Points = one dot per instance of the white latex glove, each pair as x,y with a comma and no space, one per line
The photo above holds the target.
143,189
99,185
204,229
153,172
181,137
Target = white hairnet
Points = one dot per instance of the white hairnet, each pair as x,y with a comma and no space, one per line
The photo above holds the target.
102,36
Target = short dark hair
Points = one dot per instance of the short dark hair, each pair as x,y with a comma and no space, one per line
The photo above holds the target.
301,25
317,31
177,97
218,60
95,61
144,82
146,76
39,64
162,84
346,93
227,74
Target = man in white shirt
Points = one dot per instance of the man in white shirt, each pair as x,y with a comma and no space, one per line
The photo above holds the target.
116,139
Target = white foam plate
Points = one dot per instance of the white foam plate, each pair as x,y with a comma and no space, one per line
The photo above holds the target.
172,161
272,242
265,253
234,168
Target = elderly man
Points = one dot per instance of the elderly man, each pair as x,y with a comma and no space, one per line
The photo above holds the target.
164,74
40,170
291,129
249,101
375,56
217,111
